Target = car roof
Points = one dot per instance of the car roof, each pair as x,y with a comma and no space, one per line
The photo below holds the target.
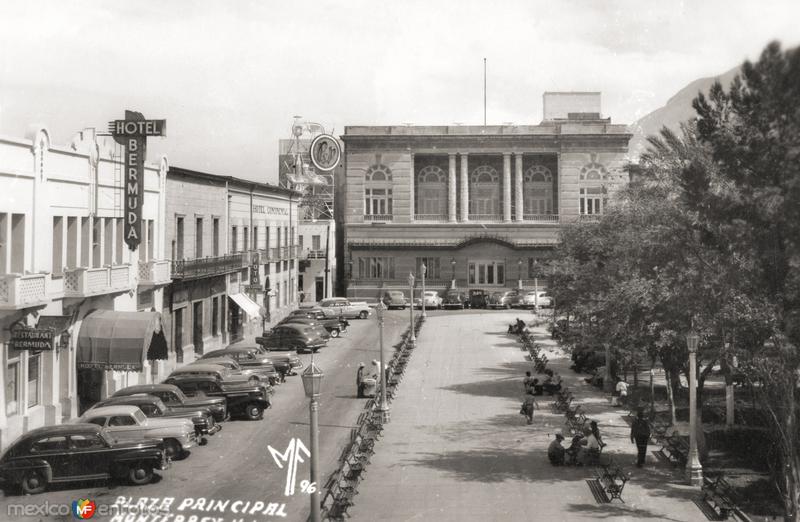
232,349
300,327
202,367
214,361
333,300
119,409
144,388
141,398
61,429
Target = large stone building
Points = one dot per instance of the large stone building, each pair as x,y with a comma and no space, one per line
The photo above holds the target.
66,274
481,206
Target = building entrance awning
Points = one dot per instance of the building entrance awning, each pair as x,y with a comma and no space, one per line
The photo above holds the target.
111,340
249,306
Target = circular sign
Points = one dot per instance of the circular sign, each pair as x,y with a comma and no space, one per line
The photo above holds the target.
325,152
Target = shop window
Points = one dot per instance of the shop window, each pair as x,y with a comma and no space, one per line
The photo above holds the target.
34,383
12,388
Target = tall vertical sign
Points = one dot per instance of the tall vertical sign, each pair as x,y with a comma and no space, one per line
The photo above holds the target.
132,133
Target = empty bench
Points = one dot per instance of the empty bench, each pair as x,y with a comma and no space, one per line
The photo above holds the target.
612,481
720,495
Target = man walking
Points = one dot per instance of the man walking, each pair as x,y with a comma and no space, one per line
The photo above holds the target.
640,434
360,381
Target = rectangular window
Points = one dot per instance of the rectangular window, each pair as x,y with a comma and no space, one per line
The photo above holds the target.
58,246
12,388
286,239
431,265
266,238
215,316
34,384
234,239
72,242
246,240
300,241
255,238
108,241
591,201
120,243
216,237
150,239
376,267
179,237
86,242
178,327
285,294
316,243
198,238
18,243
96,243
487,273
378,202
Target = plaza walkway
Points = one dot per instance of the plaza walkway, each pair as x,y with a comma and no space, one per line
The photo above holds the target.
458,449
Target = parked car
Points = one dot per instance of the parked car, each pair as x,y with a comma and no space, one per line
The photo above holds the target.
125,423
220,373
241,399
77,452
330,323
477,298
254,375
432,299
173,397
252,357
454,299
152,407
503,299
343,307
395,299
528,299
294,337
313,323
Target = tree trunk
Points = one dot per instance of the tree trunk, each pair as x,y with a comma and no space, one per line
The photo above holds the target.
792,464
670,395
652,389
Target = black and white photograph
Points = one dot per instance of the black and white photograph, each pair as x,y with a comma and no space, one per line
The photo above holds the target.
446,261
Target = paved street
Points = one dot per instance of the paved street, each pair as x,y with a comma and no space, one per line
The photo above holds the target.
458,449
236,463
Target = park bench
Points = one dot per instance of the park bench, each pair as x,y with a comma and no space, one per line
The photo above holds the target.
675,448
720,495
576,423
563,400
612,481
541,364
362,443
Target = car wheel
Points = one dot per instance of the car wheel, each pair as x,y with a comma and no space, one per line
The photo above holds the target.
140,473
254,411
364,314
33,482
335,333
173,449
253,380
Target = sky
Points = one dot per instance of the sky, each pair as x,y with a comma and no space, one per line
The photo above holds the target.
230,76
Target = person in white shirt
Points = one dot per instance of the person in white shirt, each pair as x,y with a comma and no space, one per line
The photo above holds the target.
622,392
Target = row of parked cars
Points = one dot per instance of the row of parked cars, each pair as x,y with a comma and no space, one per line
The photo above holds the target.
475,298
142,428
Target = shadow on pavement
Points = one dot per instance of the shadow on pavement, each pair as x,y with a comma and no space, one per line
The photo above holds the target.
615,510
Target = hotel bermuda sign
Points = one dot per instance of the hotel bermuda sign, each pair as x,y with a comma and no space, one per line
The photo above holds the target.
132,133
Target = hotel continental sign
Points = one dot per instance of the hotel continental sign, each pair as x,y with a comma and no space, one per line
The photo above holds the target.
481,206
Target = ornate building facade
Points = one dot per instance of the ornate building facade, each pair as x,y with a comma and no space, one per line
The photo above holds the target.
480,206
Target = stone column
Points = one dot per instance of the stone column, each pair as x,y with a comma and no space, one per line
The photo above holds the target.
507,187
464,187
518,186
451,189
413,198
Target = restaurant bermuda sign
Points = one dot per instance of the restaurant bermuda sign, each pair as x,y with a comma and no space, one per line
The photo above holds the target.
132,133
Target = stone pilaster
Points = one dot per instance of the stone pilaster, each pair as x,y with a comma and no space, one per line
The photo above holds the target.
412,195
451,189
464,187
518,186
507,187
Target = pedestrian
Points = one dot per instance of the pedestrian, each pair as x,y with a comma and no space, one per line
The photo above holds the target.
527,382
360,381
596,433
520,326
622,392
555,451
640,434
528,406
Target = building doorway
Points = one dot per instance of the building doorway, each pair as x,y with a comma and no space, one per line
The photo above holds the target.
90,388
319,289
197,327
235,323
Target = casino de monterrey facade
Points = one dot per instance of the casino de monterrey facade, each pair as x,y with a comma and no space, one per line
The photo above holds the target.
480,206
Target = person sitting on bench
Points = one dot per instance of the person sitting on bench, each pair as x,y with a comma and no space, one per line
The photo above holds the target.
536,388
555,451
549,385
574,450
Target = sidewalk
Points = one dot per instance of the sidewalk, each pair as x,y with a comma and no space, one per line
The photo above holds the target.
458,449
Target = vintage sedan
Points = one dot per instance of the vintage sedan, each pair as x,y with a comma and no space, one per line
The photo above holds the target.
152,407
293,337
177,400
315,325
532,298
219,372
432,299
334,325
254,375
124,423
395,299
249,356
243,399
454,299
77,452
504,299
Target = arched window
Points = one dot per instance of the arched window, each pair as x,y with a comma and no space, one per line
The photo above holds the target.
378,192
593,198
537,190
484,193
431,192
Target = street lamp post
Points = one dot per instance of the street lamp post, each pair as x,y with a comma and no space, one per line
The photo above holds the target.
519,274
535,287
413,340
383,407
694,470
312,383
452,272
424,271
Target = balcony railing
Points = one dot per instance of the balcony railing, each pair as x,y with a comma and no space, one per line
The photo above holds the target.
154,273
208,266
493,218
541,218
316,254
375,218
85,282
432,218
22,291
589,218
